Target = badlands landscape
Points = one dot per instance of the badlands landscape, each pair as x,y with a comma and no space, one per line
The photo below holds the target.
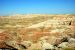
37,32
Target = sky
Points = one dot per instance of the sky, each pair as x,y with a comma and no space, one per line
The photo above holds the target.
9,7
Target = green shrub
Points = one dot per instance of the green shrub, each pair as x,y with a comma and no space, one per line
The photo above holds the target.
69,48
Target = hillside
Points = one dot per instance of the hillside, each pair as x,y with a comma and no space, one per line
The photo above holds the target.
32,29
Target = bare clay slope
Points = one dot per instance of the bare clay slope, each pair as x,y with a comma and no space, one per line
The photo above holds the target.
31,30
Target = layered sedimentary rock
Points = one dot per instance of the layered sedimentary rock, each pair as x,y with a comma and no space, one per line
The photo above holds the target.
35,31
